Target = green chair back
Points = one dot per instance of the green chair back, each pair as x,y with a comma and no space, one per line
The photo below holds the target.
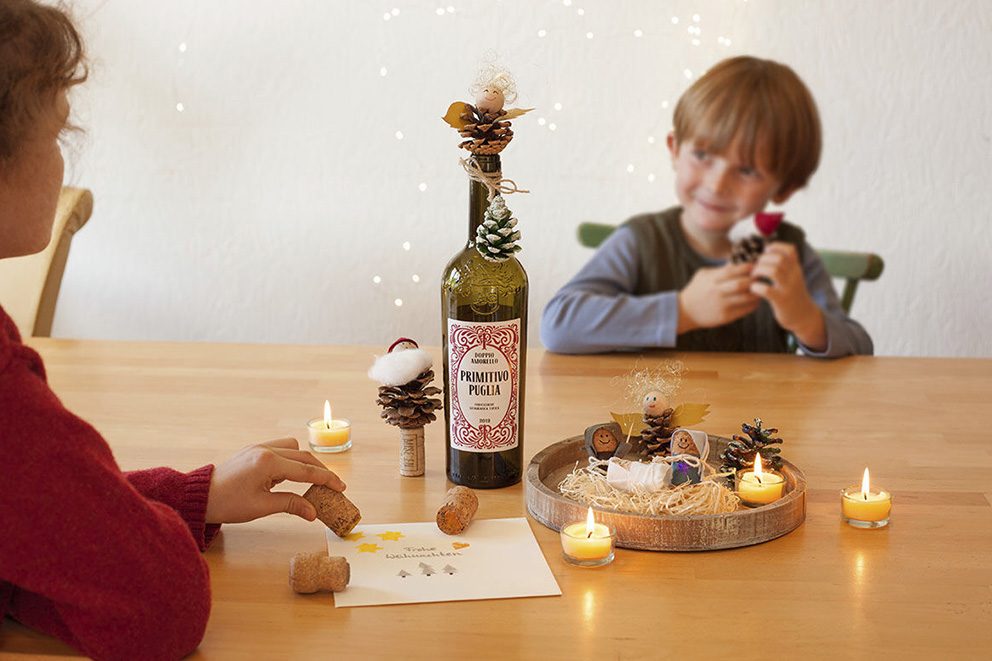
852,267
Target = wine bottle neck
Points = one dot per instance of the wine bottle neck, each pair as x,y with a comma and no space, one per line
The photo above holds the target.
478,196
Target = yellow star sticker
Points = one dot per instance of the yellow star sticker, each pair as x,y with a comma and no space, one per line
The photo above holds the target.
390,536
369,548
354,536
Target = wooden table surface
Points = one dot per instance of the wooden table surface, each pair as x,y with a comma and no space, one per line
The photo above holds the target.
920,588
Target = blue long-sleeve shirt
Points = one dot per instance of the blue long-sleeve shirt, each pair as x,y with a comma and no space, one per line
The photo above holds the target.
597,311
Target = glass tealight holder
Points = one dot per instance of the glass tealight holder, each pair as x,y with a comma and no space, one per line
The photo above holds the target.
336,438
755,492
863,510
588,550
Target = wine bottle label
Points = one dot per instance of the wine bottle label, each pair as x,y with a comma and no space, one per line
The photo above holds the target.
484,378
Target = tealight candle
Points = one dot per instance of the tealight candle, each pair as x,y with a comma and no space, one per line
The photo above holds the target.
758,487
328,434
587,543
862,508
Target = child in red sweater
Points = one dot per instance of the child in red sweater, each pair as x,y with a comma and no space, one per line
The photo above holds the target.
107,561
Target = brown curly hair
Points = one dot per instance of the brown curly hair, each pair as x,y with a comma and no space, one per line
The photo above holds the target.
41,54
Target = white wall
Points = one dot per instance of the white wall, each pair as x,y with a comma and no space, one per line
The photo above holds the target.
262,212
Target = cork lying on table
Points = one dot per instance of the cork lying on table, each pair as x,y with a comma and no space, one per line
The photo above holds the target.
311,572
334,509
457,511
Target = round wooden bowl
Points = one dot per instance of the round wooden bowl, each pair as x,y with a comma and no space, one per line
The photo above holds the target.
697,532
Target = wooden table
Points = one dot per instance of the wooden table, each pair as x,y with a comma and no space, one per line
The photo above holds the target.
920,588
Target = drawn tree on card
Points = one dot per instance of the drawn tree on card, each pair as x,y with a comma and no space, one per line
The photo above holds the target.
427,570
449,570
403,573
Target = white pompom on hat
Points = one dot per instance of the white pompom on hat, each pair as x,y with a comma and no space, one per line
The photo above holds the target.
400,367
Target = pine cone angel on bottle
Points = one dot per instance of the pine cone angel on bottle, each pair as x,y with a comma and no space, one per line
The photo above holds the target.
656,436
749,247
740,452
497,236
405,395
486,125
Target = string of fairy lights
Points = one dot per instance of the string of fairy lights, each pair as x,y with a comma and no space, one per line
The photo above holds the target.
694,34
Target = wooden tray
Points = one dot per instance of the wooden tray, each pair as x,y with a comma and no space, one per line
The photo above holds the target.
698,532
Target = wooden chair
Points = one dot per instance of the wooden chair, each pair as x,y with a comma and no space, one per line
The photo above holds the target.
852,267
29,286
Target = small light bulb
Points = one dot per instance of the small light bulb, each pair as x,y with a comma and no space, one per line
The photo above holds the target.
541,121
688,73
376,279
180,107
398,302
406,245
695,42
675,20
638,33
415,277
664,104
651,178
588,35
695,18
383,71
451,10
182,47
422,187
630,167
542,33
439,11
552,126
650,139
580,12
399,134
558,106
387,16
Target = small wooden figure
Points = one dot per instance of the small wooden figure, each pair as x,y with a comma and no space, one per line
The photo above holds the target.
602,440
692,443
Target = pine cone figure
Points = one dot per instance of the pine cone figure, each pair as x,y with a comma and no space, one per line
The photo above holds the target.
496,239
656,438
410,406
740,451
748,249
485,132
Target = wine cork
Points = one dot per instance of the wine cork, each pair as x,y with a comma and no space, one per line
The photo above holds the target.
412,452
312,572
457,511
334,509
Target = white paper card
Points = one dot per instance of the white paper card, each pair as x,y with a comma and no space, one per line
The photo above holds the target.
406,563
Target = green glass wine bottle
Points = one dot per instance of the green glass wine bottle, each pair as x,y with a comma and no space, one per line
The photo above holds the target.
484,336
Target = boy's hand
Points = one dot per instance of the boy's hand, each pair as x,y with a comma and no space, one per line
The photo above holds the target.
240,489
716,296
791,303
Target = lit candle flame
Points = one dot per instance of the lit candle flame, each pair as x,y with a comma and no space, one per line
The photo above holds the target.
590,524
327,414
757,467
864,485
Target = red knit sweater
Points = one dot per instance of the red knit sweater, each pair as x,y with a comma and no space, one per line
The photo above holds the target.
107,561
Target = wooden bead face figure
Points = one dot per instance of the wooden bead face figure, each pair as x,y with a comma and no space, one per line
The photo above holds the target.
683,443
654,404
603,440
490,100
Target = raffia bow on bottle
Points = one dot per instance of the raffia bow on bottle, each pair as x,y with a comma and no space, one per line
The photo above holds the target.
496,238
